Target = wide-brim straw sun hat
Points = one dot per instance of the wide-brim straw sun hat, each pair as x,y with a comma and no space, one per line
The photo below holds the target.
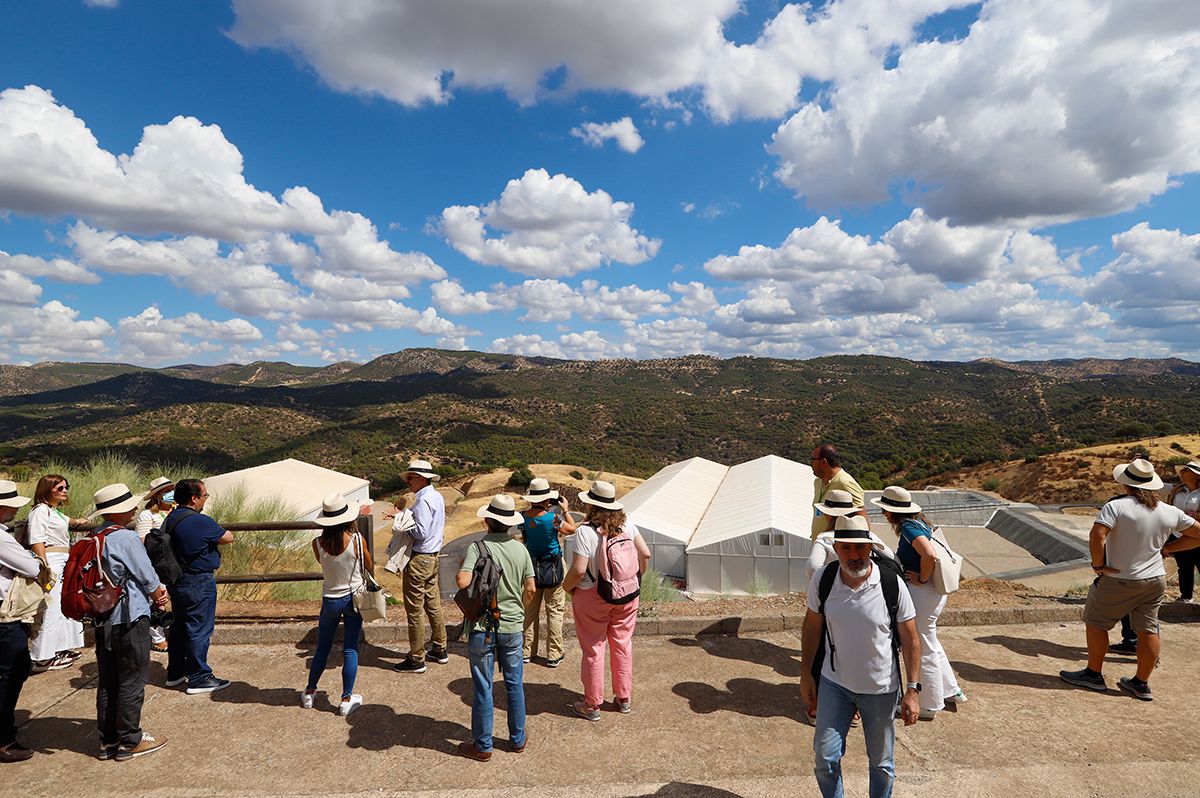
114,499
501,508
1193,466
837,502
422,468
540,491
851,529
335,510
9,497
1138,474
603,495
159,485
896,499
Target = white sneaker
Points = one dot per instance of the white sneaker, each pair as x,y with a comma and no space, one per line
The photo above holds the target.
927,714
957,698
306,699
1182,600
350,704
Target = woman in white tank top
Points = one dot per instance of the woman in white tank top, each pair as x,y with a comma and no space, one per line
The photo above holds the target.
343,555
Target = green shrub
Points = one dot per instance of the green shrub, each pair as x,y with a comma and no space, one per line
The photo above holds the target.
760,585
991,483
1177,446
656,589
520,477
575,474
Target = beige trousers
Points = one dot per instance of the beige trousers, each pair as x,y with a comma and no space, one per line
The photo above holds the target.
422,597
554,599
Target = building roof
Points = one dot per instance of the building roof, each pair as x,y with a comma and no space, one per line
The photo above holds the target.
672,502
768,493
302,485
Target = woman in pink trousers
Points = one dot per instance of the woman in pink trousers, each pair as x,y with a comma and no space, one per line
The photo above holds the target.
603,581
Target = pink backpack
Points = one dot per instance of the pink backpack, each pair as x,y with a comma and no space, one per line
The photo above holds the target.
620,578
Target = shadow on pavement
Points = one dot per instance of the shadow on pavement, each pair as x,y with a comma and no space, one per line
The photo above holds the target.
377,727
48,735
1042,681
679,789
540,699
785,661
246,693
752,697
1032,647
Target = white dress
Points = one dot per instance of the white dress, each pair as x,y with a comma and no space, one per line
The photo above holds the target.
50,527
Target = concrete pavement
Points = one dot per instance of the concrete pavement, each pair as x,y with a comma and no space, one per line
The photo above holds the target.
713,716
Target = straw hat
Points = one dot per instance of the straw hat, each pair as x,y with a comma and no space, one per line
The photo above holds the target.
540,491
603,495
8,495
114,499
501,508
896,499
1193,466
422,468
335,510
837,502
159,485
851,529
1138,474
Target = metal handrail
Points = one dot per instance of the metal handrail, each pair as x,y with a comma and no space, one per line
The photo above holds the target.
365,528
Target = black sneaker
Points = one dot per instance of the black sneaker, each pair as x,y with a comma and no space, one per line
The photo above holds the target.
210,685
410,665
1139,690
1124,647
1084,678
439,655
554,663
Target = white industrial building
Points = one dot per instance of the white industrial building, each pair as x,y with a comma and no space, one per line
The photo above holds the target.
740,529
301,485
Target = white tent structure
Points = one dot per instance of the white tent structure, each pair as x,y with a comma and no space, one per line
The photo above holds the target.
669,506
302,485
754,536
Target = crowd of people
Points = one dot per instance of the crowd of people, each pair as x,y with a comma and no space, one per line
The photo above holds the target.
871,620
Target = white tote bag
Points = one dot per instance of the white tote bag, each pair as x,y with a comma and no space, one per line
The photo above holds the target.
948,568
369,599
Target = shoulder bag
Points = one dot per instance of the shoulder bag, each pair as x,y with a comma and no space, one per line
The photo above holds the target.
368,598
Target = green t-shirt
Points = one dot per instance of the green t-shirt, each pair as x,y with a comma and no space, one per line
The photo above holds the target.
517,567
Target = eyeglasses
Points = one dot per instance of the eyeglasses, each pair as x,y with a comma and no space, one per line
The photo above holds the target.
63,486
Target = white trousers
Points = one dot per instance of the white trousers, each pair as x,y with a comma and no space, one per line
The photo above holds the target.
937,677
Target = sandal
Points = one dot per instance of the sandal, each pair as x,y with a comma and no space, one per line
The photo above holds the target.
161,648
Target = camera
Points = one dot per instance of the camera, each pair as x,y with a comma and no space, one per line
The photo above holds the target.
161,618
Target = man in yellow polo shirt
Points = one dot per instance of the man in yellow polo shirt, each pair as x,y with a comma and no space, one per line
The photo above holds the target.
826,465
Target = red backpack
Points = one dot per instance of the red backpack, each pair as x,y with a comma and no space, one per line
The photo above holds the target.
620,579
88,592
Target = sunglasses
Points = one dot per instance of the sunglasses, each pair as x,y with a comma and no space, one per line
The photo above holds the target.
63,486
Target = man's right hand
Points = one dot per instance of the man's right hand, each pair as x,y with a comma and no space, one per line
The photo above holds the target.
808,691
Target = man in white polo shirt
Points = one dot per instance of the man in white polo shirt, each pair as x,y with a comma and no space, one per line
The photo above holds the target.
860,670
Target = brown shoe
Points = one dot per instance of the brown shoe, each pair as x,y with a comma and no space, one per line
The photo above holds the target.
469,750
14,752
520,749
148,745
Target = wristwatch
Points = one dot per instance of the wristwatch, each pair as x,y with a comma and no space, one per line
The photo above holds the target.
913,686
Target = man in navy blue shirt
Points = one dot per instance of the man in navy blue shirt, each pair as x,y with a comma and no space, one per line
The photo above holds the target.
195,539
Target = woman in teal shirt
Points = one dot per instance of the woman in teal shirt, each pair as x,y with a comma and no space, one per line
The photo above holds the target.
540,529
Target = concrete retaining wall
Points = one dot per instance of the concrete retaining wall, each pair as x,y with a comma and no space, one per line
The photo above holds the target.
1043,541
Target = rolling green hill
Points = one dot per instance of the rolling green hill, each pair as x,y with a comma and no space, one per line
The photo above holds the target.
894,419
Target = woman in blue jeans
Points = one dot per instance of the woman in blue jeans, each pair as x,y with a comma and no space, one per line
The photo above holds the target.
343,556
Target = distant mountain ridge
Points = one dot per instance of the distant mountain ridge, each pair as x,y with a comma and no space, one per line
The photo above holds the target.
894,419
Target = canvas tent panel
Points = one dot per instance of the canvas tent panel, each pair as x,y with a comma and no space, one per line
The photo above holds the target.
299,484
674,501
668,560
737,574
704,573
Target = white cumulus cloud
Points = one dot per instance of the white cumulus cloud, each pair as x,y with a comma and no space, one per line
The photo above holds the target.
623,132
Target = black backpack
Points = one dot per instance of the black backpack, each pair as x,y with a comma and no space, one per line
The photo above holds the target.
162,555
890,576
478,599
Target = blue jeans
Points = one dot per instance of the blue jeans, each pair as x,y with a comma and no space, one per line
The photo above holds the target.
333,610
835,710
482,655
194,605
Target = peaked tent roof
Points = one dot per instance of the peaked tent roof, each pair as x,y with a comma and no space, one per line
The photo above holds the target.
296,482
672,503
768,493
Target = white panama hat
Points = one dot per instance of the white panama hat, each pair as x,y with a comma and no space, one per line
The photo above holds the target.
1193,466
852,529
838,502
9,497
1138,474
422,468
114,499
335,510
896,499
603,495
501,508
540,491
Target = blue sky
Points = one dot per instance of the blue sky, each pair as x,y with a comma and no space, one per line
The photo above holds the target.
926,179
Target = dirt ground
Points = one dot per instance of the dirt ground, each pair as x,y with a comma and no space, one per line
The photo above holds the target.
713,717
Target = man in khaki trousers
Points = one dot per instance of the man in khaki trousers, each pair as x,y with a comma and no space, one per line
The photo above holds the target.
422,592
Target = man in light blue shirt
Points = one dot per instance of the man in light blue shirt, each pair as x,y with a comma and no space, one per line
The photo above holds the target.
123,638
422,593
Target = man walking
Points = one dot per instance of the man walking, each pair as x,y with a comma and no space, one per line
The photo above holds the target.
827,467
858,611
123,639
491,642
422,593
15,665
195,539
